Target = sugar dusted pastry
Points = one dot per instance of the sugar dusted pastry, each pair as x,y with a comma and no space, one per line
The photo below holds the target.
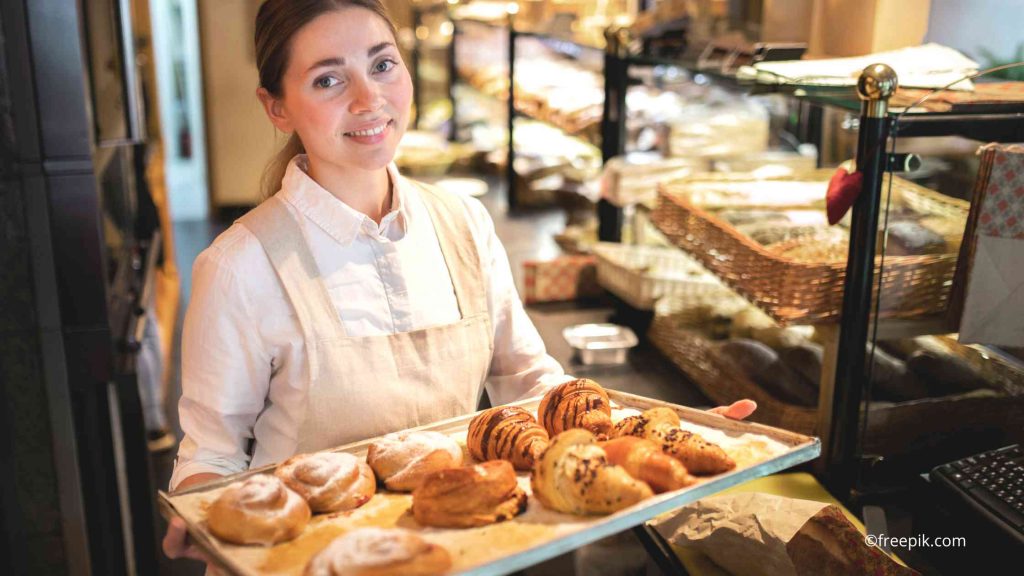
258,510
402,459
379,552
329,481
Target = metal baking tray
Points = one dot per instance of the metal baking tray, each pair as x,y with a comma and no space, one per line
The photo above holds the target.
536,535
600,343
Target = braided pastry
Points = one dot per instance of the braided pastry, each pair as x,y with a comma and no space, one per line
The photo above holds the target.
662,426
469,496
258,510
506,433
644,460
573,475
581,403
402,459
329,481
379,552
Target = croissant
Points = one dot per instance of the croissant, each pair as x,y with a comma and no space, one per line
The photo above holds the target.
258,510
469,496
401,460
573,475
662,426
506,433
644,460
329,481
379,552
581,403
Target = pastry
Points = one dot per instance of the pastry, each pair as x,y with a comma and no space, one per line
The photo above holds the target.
645,461
400,460
329,481
581,403
662,426
379,552
573,475
258,510
506,433
469,496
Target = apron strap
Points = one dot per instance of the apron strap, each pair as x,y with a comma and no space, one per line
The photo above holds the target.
282,239
458,248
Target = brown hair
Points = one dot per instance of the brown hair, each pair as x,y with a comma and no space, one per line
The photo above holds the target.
276,23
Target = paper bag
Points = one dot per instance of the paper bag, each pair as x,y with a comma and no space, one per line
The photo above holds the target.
753,534
993,269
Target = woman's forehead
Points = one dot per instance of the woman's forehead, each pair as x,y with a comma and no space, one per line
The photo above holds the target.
348,33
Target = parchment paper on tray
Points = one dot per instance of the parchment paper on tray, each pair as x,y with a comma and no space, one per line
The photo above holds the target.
753,534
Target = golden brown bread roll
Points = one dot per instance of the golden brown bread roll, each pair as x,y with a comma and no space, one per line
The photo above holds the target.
258,510
644,460
379,552
402,459
506,433
573,475
581,403
662,426
469,496
329,481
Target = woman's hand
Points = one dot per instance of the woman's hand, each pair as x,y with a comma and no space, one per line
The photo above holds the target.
177,545
737,410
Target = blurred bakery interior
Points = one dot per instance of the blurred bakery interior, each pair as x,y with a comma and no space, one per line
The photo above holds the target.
814,204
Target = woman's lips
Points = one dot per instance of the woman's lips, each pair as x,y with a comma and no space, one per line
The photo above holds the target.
371,135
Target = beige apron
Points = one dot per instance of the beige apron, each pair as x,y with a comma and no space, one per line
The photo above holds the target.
361,387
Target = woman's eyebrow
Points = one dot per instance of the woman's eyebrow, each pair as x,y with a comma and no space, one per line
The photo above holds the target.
378,48
335,61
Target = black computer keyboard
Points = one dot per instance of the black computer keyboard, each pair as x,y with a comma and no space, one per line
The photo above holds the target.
992,483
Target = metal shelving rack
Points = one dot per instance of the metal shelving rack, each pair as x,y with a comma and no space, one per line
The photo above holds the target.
514,34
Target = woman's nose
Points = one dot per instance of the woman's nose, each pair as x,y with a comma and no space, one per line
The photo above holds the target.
366,97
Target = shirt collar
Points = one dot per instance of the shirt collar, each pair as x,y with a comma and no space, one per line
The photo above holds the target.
336,218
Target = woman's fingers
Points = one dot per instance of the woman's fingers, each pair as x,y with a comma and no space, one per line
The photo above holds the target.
176,544
737,410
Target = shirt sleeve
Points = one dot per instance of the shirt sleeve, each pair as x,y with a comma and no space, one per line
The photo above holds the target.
225,372
520,366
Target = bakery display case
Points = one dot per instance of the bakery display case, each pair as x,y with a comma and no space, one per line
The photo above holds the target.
900,392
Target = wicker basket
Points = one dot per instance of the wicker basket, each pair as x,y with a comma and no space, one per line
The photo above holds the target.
677,334
801,290
641,275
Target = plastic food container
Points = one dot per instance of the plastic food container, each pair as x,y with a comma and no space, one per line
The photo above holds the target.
600,343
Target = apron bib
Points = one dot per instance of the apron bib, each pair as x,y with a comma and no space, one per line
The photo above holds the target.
362,387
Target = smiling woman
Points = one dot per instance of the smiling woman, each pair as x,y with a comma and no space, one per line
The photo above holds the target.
352,302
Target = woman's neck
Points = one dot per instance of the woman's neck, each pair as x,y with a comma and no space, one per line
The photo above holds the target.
368,191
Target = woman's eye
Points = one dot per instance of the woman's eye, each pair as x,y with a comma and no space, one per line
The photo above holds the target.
384,65
325,82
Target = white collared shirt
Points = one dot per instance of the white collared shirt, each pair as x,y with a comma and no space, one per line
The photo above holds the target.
243,353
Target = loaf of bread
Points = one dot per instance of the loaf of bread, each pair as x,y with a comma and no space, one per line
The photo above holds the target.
762,365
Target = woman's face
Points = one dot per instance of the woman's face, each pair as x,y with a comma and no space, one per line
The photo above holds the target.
346,91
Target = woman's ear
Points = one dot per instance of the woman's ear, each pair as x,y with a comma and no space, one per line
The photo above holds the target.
275,110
